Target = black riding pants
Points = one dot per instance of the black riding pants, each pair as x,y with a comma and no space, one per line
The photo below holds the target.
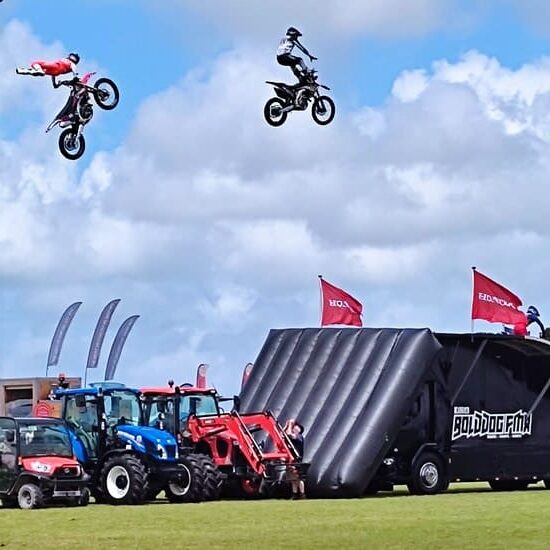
292,61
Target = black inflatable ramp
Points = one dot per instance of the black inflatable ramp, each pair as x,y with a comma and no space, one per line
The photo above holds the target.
350,388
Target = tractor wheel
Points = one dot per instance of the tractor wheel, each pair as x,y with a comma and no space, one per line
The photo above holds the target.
428,475
250,488
124,480
30,496
213,478
189,485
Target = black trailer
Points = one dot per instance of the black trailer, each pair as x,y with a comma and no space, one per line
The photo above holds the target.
409,406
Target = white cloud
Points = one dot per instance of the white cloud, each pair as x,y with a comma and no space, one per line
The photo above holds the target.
205,214
410,85
19,47
232,305
248,18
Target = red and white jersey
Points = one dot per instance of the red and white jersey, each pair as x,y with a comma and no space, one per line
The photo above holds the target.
286,45
57,67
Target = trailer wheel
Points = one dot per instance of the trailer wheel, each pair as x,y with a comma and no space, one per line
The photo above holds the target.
189,485
428,475
9,503
508,485
30,496
124,480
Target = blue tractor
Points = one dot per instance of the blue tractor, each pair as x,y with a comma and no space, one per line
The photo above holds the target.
128,463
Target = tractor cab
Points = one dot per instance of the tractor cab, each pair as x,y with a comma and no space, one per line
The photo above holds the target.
170,408
97,414
251,451
37,464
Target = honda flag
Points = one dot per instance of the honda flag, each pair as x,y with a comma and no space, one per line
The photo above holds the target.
338,307
494,303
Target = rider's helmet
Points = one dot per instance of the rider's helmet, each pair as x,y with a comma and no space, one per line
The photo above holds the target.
293,32
74,57
532,313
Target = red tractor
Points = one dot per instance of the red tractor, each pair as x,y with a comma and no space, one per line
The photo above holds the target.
252,453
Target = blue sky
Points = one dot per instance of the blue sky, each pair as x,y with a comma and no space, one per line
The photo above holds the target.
149,48
213,226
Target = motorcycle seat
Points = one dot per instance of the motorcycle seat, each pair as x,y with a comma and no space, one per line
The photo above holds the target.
284,85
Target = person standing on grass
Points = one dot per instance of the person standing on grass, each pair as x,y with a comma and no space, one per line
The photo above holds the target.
295,432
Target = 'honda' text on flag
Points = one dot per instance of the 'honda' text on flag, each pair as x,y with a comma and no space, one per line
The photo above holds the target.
339,307
493,302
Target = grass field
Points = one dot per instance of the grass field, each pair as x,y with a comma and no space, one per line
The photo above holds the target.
469,516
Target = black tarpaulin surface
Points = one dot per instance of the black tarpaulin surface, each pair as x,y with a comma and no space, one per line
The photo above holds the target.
350,388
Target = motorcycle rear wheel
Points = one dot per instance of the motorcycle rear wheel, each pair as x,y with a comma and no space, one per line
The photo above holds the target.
323,110
270,111
106,94
71,147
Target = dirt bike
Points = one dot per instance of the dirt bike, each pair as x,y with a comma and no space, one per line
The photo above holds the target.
78,111
297,97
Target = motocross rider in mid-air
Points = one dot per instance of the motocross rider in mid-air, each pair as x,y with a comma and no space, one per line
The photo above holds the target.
285,57
65,65
55,68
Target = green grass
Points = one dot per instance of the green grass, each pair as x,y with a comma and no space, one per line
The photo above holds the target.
467,517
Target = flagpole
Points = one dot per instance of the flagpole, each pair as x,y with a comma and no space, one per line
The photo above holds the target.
472,320
320,301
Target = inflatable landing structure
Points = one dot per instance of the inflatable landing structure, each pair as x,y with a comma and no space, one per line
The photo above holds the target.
350,388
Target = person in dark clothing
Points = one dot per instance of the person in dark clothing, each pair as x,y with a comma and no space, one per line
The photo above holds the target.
284,53
295,432
532,316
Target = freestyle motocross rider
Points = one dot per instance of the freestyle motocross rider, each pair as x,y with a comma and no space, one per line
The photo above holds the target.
284,53
58,67
55,68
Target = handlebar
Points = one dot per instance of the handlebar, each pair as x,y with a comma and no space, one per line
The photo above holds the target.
75,82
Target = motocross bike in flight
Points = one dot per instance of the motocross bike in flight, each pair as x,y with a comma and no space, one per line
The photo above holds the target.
297,97
78,111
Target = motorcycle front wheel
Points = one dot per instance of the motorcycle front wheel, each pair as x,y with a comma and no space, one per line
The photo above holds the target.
106,94
273,112
323,110
71,147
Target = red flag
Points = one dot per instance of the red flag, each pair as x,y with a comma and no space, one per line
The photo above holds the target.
201,375
339,307
494,303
